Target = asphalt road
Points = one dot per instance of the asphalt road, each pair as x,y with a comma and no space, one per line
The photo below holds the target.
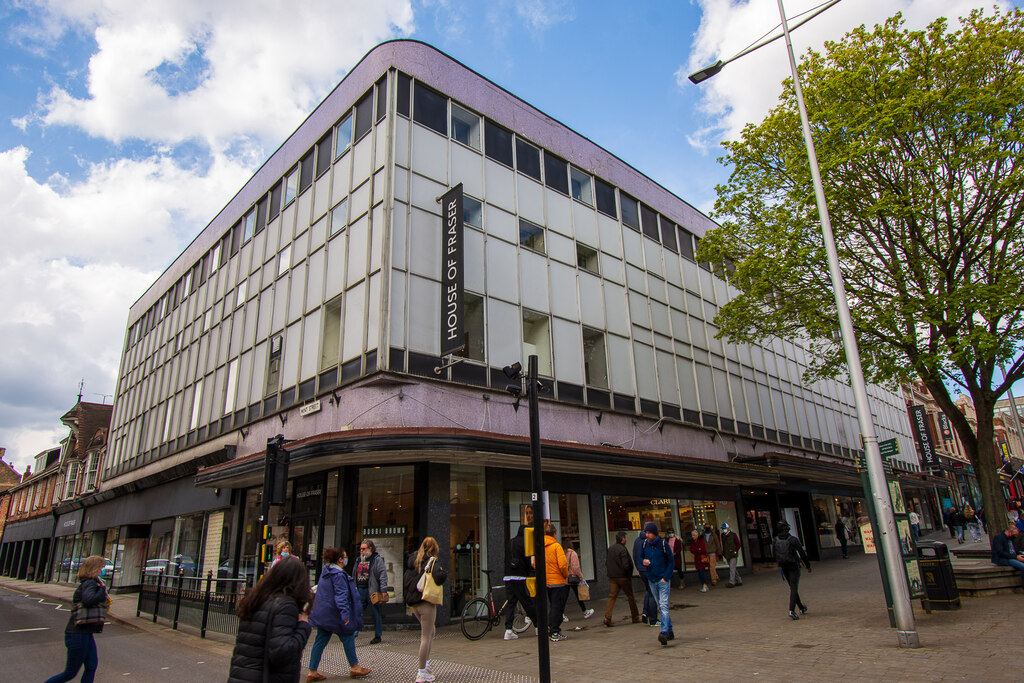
32,647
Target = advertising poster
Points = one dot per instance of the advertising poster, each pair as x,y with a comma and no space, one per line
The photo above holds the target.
390,546
867,536
897,498
914,579
906,540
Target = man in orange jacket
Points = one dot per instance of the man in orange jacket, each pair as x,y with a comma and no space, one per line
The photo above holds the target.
556,569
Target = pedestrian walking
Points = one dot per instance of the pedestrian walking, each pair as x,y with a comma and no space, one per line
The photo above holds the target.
701,562
1003,552
972,522
282,550
947,519
619,566
650,607
959,521
556,570
337,610
789,553
657,557
714,545
731,545
423,584
517,569
89,610
572,560
273,626
843,536
915,526
372,581
676,546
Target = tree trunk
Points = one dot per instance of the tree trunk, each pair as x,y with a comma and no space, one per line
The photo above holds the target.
987,465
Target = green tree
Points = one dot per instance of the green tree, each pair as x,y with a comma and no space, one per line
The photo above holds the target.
919,140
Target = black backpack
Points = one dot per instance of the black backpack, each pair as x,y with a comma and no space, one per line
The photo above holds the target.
784,551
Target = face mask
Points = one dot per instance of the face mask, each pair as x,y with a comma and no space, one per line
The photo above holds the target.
671,535
285,554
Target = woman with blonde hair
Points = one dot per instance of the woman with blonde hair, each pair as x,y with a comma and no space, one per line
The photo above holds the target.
283,550
86,620
421,564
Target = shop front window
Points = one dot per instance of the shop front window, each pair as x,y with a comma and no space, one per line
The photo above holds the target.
112,553
570,513
384,514
251,540
188,539
700,514
825,520
468,524
631,513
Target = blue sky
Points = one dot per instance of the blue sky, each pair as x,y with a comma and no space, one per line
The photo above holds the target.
126,126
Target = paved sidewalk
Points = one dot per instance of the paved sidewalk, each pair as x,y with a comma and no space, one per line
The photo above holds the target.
725,634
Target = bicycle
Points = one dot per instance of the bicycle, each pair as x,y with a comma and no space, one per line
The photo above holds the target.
479,615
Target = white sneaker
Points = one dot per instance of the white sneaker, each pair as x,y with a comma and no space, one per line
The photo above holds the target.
424,676
565,619
703,589
510,634
589,613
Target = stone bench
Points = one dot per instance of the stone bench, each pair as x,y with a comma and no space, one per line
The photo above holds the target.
979,577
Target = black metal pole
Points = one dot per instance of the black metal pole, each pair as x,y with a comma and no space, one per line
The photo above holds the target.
156,601
206,604
177,598
541,602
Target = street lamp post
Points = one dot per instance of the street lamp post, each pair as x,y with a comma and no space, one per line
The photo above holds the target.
902,609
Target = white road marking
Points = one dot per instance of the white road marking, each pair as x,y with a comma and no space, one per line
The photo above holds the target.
26,630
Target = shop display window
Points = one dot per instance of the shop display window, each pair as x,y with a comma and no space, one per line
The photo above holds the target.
384,514
187,545
825,520
571,516
468,526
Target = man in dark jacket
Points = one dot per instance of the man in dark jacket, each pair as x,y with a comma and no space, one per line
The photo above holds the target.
789,553
620,576
650,610
1003,552
517,569
657,558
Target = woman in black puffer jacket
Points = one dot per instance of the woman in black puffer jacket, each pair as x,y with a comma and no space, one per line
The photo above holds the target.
273,627
79,639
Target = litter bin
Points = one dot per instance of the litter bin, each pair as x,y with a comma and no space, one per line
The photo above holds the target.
937,573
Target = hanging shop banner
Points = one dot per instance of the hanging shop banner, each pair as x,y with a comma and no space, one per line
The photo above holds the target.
945,427
919,420
452,296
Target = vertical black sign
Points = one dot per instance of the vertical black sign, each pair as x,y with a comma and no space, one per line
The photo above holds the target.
945,427
919,420
452,299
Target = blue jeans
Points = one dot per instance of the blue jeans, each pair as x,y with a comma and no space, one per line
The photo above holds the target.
323,636
650,604
378,615
702,576
1016,564
662,589
81,650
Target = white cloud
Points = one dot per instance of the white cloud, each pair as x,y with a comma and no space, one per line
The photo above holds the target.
211,71
542,14
747,89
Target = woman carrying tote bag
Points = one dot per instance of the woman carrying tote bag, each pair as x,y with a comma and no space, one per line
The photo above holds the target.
273,627
86,620
424,579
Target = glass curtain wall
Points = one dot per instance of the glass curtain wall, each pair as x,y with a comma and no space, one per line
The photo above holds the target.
468,525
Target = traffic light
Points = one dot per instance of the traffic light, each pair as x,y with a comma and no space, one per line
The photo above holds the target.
275,472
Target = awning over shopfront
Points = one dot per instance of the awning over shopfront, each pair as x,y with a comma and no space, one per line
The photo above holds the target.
167,500
69,523
28,530
381,447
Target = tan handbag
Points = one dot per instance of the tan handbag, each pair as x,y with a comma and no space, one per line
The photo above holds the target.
379,598
584,591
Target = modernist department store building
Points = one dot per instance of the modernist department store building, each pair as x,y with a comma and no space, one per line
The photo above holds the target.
311,307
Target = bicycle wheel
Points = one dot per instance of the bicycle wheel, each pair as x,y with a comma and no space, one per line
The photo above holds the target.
519,621
476,619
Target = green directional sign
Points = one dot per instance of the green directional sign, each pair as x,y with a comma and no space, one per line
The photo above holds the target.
889,448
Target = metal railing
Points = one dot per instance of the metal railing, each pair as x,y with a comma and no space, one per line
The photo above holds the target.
204,603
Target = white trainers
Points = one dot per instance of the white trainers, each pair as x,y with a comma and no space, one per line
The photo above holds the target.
589,613
510,634
565,619
703,589
424,676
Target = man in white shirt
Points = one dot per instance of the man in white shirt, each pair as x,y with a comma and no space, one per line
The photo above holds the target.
915,525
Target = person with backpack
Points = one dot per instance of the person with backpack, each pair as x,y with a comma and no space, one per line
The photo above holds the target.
423,569
517,569
701,561
650,607
337,610
657,557
272,626
971,520
958,519
789,553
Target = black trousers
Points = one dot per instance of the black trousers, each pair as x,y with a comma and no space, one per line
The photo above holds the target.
518,593
558,597
792,574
